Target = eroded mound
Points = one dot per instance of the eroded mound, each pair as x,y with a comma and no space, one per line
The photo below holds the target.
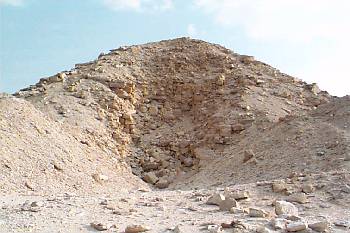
189,113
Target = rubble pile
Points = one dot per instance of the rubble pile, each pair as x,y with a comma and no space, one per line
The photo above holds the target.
170,107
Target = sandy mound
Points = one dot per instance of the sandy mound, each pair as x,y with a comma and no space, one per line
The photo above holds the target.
37,154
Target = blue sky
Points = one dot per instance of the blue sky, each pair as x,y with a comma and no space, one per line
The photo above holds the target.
307,39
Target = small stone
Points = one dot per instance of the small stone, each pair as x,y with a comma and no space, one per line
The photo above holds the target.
237,128
162,183
72,88
300,198
214,228
320,153
296,226
215,199
236,210
149,166
143,109
99,178
227,204
319,226
153,110
62,76
99,226
177,229
342,223
29,185
150,178
279,186
278,223
293,218
240,195
57,166
247,59
308,188
248,155
31,206
136,229
226,225
188,162
122,94
128,118
324,205
262,229
257,213
220,80
284,207
36,204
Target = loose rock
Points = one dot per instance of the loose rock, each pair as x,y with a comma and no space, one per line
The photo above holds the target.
279,186
237,194
319,226
278,223
162,183
298,197
308,188
227,204
296,226
136,229
284,207
150,177
215,199
214,228
99,226
257,213
248,155
262,229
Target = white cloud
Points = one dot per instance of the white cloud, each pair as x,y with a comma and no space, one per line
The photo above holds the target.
293,20
322,24
139,5
192,30
11,2
330,72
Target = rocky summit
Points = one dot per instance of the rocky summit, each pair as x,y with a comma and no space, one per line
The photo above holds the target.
174,136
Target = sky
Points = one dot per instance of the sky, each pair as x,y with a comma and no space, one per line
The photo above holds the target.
309,39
